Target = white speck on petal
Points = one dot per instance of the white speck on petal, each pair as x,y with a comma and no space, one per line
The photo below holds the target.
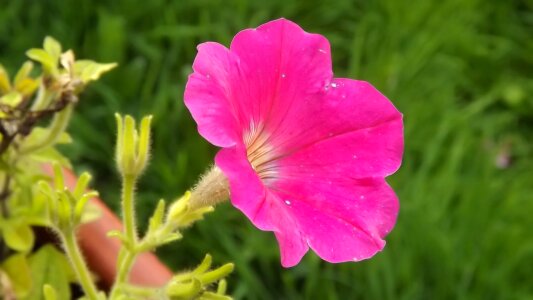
333,85
287,202
283,75
322,50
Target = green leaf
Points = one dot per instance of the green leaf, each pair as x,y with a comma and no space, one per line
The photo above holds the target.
213,296
49,155
5,84
49,292
12,99
53,47
204,265
157,218
19,237
17,269
47,61
38,133
184,290
90,213
23,72
88,70
49,266
217,274
27,86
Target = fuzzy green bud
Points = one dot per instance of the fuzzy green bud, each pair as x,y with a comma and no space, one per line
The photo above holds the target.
133,147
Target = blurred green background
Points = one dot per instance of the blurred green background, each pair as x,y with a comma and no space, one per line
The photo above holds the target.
460,71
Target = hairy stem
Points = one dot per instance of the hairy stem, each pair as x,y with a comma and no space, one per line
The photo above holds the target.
128,253
78,263
125,267
128,209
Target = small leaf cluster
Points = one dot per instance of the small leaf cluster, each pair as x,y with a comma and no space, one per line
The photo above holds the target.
35,108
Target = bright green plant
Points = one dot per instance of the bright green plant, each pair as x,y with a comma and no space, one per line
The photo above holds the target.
29,198
26,101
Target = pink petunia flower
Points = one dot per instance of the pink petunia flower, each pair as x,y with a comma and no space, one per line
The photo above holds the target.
305,153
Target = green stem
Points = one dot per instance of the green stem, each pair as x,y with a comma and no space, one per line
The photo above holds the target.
43,98
125,267
58,126
128,253
78,263
128,209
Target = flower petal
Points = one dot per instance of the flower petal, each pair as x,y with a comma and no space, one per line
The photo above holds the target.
353,132
264,208
207,94
255,84
281,65
344,220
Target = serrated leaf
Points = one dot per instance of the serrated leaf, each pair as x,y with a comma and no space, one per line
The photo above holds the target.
88,70
19,237
17,269
49,266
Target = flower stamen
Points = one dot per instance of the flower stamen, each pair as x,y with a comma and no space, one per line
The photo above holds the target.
260,153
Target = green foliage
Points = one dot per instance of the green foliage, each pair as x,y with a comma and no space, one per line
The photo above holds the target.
49,266
132,151
191,285
17,269
65,208
459,70
25,150
27,101
18,237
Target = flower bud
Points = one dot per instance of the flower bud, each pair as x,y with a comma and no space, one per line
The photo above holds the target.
213,188
133,148
65,207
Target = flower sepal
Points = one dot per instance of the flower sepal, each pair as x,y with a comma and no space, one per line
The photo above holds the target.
65,208
133,147
193,284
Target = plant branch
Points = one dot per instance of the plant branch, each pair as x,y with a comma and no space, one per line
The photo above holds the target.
78,263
